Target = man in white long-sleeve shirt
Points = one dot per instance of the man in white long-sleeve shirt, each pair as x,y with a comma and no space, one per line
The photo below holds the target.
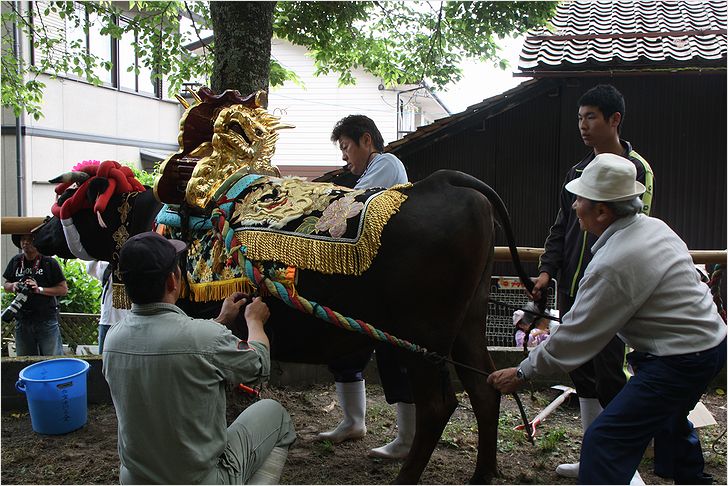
362,146
642,286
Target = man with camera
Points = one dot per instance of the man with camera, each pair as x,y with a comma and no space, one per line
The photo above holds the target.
36,280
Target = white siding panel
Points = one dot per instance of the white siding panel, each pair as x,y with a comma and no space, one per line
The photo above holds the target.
42,198
319,104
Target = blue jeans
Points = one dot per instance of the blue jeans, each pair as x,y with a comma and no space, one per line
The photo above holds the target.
38,338
103,329
654,403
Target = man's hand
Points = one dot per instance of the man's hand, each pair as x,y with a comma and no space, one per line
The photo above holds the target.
505,380
231,309
542,282
256,315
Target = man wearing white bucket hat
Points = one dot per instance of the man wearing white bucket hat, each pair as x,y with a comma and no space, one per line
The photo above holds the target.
641,285
566,252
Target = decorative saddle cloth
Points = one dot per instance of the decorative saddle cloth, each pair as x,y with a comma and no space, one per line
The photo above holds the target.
287,223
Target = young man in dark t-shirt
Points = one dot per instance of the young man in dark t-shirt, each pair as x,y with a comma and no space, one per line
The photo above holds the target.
37,332
567,250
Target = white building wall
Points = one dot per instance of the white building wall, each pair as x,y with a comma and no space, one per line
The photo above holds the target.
319,104
85,122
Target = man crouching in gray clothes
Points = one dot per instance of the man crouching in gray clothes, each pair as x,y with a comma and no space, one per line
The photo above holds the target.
167,374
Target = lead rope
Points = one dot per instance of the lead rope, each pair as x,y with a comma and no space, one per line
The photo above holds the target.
292,299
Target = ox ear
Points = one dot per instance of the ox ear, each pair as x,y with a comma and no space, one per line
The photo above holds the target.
73,176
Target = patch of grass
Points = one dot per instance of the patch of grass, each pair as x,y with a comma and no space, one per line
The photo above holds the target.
380,411
324,448
509,439
550,440
457,432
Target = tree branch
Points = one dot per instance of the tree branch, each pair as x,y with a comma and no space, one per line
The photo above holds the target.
197,31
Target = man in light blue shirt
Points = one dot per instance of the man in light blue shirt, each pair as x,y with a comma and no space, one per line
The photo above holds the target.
361,146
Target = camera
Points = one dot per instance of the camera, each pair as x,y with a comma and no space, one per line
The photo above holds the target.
22,291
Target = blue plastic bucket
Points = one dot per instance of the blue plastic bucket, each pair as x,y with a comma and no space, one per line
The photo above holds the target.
56,392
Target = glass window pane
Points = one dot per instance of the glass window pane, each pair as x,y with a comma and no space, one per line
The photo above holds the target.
127,79
99,46
145,80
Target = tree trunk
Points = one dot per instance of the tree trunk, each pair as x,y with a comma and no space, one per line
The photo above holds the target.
243,32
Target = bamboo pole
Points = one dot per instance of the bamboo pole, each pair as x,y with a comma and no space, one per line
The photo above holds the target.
14,225
19,225
527,254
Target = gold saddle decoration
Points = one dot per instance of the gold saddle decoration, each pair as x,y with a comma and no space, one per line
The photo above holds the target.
288,221
220,135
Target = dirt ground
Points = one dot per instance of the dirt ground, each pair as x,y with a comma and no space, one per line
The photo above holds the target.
88,456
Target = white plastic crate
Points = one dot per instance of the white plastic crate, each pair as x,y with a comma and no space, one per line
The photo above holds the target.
510,290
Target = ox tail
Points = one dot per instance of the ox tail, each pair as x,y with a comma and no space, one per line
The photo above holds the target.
461,179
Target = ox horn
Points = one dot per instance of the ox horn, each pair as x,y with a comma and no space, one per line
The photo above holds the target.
182,101
73,176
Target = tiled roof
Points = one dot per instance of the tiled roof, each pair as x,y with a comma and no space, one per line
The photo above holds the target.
488,107
624,33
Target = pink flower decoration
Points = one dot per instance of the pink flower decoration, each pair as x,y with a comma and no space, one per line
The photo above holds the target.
334,217
85,163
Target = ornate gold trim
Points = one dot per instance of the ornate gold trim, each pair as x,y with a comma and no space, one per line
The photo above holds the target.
120,299
329,257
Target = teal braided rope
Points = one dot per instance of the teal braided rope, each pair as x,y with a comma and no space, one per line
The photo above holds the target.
292,299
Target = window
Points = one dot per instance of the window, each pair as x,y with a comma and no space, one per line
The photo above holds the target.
141,83
119,54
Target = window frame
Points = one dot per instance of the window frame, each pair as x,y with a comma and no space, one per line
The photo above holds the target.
115,82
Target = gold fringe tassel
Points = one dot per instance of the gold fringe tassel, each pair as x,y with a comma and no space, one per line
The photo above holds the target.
330,257
119,298
218,290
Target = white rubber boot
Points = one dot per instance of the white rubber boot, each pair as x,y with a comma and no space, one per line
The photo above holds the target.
400,446
270,471
590,410
637,480
353,401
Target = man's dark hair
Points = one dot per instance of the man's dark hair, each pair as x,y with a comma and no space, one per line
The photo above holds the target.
607,98
146,288
354,127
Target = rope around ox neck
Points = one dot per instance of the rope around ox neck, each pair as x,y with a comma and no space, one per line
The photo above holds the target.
292,299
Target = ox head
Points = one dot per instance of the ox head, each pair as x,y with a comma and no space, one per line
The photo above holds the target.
101,215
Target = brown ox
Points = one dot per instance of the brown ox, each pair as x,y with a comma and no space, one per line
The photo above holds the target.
428,284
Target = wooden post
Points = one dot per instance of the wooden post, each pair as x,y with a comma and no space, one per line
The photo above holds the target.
18,225
526,254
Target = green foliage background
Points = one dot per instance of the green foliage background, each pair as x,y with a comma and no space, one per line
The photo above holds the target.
400,42
84,291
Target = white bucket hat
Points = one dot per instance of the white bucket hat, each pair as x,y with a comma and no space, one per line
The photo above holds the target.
608,177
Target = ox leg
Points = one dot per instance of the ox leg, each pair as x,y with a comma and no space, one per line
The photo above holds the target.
470,348
435,401
486,406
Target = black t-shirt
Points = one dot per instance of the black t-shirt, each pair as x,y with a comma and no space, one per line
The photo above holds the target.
47,273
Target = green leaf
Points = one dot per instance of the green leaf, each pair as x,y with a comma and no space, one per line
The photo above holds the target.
308,225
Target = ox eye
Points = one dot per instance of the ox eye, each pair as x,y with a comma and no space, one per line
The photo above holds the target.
259,132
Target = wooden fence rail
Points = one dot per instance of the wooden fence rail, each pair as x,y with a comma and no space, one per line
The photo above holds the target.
527,254
23,224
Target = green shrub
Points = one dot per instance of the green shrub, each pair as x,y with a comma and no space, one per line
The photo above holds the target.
146,178
7,298
84,291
